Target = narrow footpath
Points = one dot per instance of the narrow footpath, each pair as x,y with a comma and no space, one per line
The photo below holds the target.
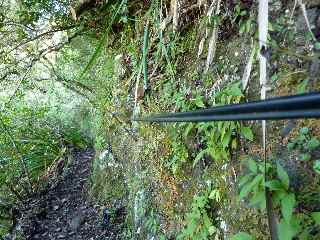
65,212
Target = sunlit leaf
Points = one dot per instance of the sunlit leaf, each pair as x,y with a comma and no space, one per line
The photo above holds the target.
274,185
247,188
252,166
283,176
316,217
246,132
285,231
242,236
287,207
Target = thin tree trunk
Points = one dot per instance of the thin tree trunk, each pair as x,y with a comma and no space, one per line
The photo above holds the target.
263,32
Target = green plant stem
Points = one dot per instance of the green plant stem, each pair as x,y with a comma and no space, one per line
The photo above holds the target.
145,57
102,43
14,191
19,153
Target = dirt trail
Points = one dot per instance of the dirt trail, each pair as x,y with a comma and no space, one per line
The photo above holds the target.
64,212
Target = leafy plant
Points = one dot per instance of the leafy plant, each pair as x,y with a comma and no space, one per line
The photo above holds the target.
219,137
242,236
253,187
199,225
304,143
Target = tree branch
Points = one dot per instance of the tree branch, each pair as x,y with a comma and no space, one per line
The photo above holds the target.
40,36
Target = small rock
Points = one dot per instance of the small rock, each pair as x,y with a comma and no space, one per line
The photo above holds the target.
61,236
76,222
287,129
55,208
106,217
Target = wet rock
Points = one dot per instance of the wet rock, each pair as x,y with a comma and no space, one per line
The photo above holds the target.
77,221
105,217
55,208
288,128
61,236
7,237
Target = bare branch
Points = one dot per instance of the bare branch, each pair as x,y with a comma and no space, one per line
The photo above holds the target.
40,36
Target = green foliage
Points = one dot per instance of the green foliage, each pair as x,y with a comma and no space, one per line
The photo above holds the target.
102,42
33,137
217,138
179,153
153,225
316,166
220,137
243,19
304,143
199,222
253,186
241,236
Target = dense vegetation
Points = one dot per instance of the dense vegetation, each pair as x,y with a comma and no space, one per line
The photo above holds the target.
73,73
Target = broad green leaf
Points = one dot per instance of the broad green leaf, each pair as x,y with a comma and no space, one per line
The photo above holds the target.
242,236
313,143
274,185
302,86
305,156
263,168
199,156
226,139
291,145
287,207
245,179
212,230
234,143
215,195
247,133
206,220
316,217
283,176
259,200
199,103
285,231
242,28
162,237
296,223
304,130
235,90
188,129
304,235
246,189
252,166
316,166
278,195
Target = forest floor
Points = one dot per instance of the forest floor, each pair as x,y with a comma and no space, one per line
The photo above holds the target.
65,210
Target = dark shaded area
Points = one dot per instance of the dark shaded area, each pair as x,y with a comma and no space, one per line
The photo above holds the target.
65,212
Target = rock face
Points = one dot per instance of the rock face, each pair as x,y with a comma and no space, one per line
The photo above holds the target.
65,212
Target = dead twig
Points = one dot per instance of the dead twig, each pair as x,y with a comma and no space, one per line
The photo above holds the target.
305,15
213,39
247,69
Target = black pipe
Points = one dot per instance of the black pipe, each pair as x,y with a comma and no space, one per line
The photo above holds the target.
290,107
294,114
